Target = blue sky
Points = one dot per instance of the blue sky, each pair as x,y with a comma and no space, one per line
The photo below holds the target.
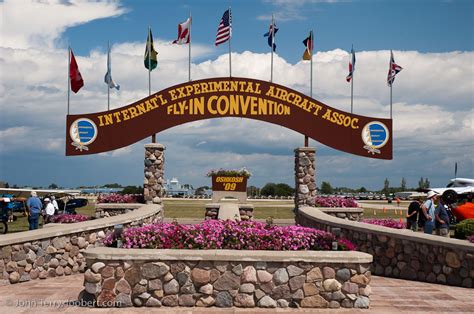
422,25
433,95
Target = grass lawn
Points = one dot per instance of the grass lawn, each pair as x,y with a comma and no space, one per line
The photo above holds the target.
196,209
179,208
379,213
21,224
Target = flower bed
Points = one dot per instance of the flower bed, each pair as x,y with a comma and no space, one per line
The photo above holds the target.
119,198
216,234
69,219
470,238
390,223
229,173
334,202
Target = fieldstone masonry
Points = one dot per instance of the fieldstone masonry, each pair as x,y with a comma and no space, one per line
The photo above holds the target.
55,251
402,253
305,173
126,283
154,173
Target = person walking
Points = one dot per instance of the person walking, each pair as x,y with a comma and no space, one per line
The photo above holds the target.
55,204
442,219
428,209
34,209
49,209
413,212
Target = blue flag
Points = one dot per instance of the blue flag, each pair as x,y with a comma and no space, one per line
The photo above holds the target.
271,32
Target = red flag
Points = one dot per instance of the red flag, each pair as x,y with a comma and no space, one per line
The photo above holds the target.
183,32
74,75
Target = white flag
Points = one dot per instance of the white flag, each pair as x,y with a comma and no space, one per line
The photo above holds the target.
108,76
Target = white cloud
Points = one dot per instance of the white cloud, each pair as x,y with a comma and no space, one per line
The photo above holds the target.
39,23
433,111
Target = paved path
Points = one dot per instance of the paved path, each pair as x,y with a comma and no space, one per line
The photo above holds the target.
388,296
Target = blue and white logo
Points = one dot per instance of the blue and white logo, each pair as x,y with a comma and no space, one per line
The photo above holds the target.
375,135
83,132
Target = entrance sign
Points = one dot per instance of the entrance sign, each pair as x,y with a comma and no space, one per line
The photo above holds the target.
228,97
231,184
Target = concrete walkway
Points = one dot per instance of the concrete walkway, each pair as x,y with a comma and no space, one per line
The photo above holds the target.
388,296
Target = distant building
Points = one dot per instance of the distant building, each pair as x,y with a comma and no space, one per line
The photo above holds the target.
174,188
100,190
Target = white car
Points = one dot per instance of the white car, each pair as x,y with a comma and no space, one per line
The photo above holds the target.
457,189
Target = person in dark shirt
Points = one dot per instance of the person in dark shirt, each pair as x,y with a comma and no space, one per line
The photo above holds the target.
442,219
413,211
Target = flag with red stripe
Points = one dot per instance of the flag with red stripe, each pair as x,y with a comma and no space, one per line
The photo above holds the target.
393,70
224,32
351,66
184,35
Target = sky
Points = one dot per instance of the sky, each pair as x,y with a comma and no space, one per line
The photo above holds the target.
433,109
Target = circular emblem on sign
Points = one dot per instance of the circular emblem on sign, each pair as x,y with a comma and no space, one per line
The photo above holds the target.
375,135
83,132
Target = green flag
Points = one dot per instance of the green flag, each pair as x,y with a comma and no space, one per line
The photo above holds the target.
150,59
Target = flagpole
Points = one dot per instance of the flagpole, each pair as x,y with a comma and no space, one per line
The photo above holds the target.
110,74
68,77
153,137
189,59
306,139
391,100
271,48
230,38
352,79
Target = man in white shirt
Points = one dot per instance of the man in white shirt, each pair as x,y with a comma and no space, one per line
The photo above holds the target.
55,204
49,208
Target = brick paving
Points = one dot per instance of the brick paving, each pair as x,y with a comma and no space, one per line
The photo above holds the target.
56,295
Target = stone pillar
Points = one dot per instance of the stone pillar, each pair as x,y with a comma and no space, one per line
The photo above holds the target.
154,173
305,182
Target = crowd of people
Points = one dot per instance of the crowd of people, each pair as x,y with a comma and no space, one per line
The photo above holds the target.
429,216
47,209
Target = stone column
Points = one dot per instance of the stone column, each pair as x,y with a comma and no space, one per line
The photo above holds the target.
154,173
305,182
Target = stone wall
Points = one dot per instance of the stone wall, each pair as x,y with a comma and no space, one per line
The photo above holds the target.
402,253
226,278
154,173
354,214
58,250
112,209
245,210
305,174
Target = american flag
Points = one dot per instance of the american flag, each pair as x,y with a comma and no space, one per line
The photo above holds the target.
393,70
224,32
351,65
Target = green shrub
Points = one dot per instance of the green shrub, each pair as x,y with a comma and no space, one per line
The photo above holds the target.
464,229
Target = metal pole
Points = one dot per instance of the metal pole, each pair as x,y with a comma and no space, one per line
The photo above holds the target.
352,90
110,74
149,60
391,100
271,48
68,77
311,72
230,38
190,38
153,137
306,139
